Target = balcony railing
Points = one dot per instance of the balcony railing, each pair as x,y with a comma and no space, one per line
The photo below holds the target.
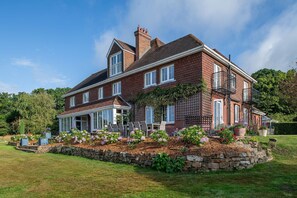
250,95
223,83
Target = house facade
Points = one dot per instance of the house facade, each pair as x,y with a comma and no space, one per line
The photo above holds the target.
109,95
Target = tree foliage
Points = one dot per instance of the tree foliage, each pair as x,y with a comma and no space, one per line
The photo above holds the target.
268,84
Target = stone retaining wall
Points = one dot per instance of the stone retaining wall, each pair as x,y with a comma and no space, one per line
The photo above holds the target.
220,161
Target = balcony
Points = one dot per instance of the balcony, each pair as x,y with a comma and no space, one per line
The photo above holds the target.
250,96
223,83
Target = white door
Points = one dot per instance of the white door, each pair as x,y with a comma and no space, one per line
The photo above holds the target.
217,77
218,112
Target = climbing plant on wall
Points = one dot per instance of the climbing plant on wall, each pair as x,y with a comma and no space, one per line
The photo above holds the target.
165,96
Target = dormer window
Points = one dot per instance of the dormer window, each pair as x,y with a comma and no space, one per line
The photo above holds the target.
115,64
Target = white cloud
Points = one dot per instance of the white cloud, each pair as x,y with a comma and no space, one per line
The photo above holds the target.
209,17
102,45
277,49
41,74
4,87
24,62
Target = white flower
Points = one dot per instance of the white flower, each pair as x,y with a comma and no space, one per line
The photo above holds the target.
160,140
142,138
164,140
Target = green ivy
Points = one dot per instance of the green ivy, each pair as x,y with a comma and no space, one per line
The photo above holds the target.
166,96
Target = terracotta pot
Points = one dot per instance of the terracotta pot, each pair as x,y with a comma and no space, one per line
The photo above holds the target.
240,132
263,132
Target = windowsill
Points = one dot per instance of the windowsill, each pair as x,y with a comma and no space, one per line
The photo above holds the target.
100,98
116,94
170,122
71,106
85,102
167,81
115,74
153,85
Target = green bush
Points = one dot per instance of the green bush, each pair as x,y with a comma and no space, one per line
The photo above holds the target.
285,128
226,135
160,136
22,127
136,136
4,128
194,135
163,162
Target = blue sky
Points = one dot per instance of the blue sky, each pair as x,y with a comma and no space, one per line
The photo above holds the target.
57,43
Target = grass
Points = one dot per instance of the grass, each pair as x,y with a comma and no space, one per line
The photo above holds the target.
52,175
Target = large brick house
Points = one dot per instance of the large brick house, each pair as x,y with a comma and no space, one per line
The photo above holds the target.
100,98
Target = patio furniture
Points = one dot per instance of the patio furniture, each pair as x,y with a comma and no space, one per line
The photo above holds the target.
109,127
121,129
143,127
131,128
137,125
163,126
115,128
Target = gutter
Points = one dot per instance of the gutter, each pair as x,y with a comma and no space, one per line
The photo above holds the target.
200,48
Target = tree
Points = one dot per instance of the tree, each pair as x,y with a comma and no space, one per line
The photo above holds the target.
37,111
269,81
288,89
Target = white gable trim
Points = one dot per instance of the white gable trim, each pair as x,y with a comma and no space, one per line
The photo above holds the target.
115,42
163,61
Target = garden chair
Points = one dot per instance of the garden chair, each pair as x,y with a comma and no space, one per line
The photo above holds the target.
143,127
121,129
163,126
115,128
131,127
109,127
137,125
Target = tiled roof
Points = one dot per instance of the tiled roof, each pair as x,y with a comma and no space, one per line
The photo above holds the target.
126,46
175,47
94,78
114,100
158,51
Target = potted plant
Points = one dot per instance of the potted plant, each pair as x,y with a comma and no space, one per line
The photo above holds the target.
239,130
263,131
24,141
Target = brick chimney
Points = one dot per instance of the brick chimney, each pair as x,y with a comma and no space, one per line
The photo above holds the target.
142,42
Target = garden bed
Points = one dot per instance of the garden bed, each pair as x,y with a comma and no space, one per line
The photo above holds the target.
212,156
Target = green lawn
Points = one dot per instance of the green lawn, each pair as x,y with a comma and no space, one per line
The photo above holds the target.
51,175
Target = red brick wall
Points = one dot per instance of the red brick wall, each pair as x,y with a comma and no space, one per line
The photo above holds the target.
209,97
129,58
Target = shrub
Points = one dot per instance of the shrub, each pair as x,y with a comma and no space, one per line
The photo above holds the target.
80,136
239,126
263,127
194,135
136,136
64,137
106,137
4,128
22,127
226,136
285,128
163,162
17,138
160,136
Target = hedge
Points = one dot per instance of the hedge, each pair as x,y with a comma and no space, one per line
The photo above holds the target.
285,128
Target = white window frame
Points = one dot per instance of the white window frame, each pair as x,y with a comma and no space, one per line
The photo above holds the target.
168,114
86,97
236,113
217,77
245,116
245,91
168,79
72,102
152,81
233,82
100,93
149,118
221,110
116,88
117,66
